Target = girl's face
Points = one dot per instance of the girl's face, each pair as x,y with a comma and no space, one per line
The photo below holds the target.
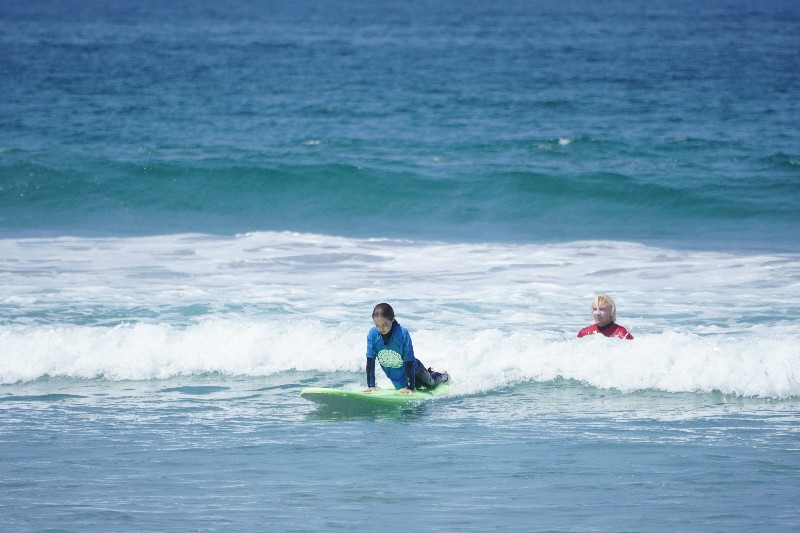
383,324
601,313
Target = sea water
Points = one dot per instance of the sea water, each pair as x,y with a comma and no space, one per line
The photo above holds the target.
200,203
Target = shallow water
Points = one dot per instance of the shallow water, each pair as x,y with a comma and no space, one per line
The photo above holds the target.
216,453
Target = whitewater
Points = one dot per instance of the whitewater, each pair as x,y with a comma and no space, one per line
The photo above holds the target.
494,315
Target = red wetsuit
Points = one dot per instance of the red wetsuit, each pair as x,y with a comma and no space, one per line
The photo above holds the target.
609,330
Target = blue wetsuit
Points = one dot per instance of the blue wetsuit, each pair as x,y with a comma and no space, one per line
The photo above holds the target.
395,354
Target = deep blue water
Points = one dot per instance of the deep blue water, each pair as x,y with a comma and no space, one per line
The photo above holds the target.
200,202
503,121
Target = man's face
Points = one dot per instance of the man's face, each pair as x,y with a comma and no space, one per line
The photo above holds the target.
601,313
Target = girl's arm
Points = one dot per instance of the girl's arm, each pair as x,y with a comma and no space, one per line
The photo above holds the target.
410,377
408,355
370,372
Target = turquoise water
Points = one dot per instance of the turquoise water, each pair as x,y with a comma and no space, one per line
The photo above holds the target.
200,203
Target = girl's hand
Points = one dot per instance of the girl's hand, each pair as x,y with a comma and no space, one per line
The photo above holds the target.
406,391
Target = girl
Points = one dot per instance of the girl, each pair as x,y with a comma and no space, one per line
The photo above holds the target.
390,344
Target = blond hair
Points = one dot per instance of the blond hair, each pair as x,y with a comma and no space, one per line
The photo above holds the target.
607,299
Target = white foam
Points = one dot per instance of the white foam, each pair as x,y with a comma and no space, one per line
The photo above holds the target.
153,307
479,360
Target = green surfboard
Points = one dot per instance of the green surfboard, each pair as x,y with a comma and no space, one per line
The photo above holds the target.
383,397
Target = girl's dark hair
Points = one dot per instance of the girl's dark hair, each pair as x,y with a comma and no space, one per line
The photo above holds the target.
384,310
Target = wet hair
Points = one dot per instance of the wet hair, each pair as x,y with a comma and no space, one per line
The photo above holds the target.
607,299
384,310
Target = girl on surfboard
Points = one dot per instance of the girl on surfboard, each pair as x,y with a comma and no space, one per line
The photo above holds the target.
390,344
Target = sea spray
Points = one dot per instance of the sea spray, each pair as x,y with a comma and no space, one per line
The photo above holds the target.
481,361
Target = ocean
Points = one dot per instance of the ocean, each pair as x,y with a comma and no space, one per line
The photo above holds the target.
201,202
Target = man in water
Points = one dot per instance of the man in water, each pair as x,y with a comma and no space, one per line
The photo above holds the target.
604,312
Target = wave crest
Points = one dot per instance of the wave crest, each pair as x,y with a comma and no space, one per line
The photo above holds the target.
482,361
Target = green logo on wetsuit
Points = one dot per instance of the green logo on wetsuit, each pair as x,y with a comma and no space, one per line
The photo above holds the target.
390,359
